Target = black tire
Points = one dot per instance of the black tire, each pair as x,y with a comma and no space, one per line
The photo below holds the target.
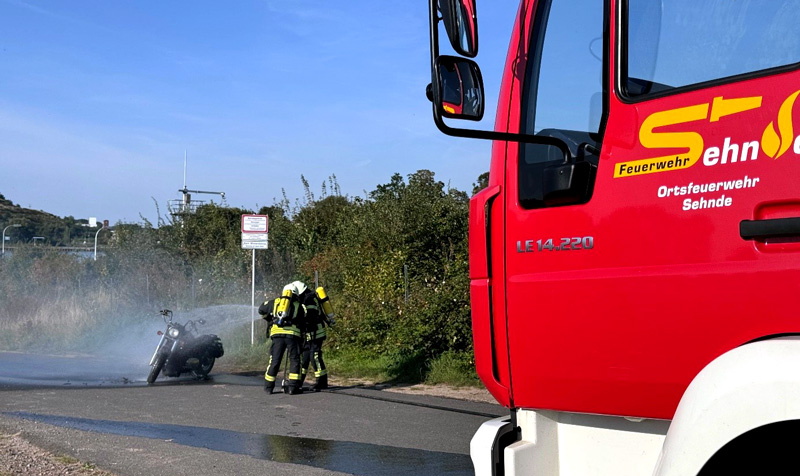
769,449
155,369
206,364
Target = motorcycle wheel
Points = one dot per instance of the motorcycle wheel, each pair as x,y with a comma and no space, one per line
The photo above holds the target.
206,364
155,369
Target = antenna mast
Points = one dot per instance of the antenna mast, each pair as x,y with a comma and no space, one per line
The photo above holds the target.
184,168
186,206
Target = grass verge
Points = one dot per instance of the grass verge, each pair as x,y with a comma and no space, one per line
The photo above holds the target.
360,365
240,355
451,368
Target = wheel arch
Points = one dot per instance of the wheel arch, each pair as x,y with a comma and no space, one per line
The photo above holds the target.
749,392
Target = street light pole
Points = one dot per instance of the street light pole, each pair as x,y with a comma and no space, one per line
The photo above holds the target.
95,240
15,225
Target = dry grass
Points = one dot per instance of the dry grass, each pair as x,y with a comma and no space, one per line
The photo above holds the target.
52,322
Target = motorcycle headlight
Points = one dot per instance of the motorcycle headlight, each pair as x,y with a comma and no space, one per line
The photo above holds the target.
174,333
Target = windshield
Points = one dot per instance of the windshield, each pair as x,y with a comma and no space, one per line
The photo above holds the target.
679,43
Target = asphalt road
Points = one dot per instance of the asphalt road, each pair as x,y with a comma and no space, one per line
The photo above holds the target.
103,413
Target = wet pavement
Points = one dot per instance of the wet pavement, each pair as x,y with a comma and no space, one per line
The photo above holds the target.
101,410
31,370
345,456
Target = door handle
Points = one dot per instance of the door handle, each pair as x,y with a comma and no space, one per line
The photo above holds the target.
771,228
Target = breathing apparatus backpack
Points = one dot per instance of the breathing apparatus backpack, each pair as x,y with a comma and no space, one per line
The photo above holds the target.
285,308
325,303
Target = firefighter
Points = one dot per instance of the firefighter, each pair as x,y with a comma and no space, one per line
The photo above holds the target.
285,316
314,335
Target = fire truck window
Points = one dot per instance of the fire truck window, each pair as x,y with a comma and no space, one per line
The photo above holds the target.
676,43
569,73
562,95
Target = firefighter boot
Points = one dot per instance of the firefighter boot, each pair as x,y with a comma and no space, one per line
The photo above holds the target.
321,383
295,390
294,386
268,387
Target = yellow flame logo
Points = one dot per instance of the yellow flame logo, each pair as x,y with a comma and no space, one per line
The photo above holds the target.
774,144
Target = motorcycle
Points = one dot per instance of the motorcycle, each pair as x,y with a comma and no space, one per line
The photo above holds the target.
181,351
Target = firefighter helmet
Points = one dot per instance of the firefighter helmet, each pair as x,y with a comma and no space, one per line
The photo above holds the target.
299,287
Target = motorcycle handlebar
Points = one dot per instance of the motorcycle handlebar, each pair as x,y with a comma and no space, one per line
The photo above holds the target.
166,314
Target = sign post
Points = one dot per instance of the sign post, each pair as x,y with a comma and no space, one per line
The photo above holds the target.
255,236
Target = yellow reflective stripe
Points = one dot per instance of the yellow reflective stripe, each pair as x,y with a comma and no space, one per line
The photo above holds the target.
303,371
294,376
269,378
291,330
319,333
318,366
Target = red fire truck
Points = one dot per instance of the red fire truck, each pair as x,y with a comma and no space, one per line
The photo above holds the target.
635,258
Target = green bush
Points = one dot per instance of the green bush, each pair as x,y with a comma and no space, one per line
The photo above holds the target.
393,262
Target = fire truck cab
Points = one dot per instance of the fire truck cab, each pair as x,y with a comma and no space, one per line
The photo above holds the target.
635,258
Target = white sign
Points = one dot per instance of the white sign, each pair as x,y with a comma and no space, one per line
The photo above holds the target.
254,241
254,223
254,237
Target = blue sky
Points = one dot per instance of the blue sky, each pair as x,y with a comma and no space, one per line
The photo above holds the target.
99,100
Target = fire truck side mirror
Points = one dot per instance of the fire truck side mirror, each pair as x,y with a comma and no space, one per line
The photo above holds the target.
458,92
461,23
